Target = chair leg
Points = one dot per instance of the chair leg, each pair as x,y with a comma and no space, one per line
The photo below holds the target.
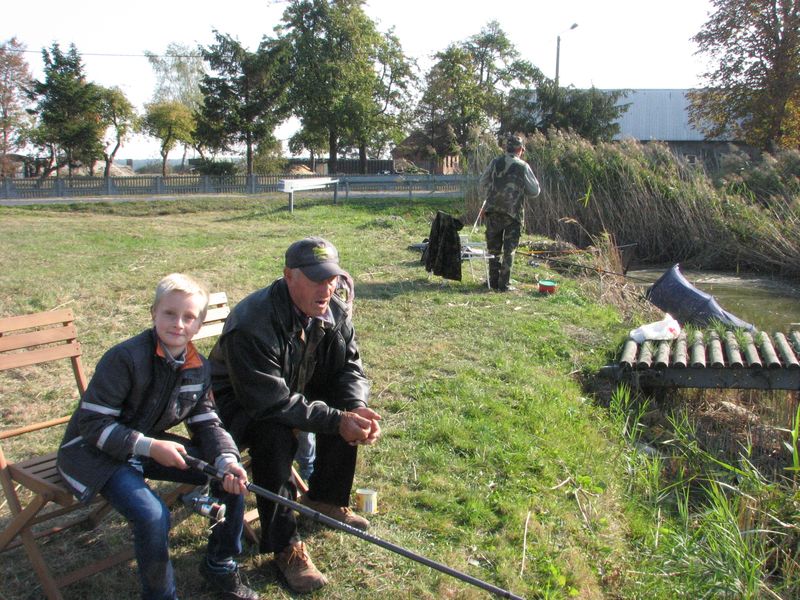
49,585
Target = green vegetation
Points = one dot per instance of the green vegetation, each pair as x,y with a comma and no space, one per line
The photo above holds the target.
495,459
745,218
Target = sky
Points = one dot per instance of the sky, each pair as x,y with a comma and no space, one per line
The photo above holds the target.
617,44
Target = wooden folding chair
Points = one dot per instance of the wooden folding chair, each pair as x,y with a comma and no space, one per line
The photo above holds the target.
34,492
218,311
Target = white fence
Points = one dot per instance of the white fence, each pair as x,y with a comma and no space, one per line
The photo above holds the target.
156,185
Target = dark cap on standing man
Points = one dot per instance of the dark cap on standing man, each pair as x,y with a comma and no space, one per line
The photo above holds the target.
514,143
316,257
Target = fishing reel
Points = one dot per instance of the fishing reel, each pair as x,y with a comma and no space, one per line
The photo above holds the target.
205,505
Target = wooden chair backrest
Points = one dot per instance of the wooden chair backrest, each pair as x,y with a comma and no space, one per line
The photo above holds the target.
35,339
218,311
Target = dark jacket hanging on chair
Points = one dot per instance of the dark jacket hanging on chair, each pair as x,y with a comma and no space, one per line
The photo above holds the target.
443,255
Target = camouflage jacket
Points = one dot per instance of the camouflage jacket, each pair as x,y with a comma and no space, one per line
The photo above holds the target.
505,184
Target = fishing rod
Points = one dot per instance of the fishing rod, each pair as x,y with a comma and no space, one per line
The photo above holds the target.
206,468
574,264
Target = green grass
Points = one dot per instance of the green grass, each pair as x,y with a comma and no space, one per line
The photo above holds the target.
494,460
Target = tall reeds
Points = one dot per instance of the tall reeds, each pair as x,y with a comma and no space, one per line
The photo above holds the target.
673,211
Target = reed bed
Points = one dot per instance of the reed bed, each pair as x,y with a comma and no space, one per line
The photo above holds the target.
744,217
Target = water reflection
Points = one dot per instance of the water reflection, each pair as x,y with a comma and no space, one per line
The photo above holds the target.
768,303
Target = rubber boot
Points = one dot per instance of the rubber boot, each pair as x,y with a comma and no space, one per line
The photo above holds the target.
494,273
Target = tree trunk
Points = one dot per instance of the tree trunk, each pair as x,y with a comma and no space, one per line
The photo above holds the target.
333,150
249,145
362,158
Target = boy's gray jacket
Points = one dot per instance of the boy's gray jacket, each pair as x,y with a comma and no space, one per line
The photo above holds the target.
136,391
256,361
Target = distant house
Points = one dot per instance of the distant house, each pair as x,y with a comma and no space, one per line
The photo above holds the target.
663,115
416,149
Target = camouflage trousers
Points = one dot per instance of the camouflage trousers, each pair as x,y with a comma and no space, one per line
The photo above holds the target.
502,239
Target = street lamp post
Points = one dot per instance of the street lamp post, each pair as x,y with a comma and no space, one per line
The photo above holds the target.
558,49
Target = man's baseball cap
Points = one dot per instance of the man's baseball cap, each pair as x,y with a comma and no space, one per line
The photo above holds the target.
316,257
513,142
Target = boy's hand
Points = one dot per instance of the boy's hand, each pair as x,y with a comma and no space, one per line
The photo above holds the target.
168,453
235,480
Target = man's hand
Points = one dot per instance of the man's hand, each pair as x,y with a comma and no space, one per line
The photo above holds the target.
168,453
374,427
354,428
235,480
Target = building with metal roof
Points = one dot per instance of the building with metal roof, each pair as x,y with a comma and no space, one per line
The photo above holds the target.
663,115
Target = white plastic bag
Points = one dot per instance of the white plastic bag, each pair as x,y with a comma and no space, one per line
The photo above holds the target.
665,329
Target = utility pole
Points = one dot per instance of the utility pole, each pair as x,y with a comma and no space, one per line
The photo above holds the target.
558,50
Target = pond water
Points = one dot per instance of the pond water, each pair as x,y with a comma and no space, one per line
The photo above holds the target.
768,303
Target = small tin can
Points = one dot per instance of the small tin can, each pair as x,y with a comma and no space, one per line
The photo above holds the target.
366,500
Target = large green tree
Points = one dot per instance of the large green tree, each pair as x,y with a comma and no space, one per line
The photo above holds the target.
753,92
15,76
245,97
171,123
69,126
338,88
592,113
466,90
386,111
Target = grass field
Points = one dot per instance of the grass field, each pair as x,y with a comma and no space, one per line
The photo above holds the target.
494,459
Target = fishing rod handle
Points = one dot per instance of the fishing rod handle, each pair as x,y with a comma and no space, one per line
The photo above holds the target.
201,465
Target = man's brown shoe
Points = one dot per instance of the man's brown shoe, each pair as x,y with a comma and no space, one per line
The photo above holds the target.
297,569
340,513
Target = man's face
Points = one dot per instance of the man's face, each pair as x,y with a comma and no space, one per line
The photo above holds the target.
311,297
176,318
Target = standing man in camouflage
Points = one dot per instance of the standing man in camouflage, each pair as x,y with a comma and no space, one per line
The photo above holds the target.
505,184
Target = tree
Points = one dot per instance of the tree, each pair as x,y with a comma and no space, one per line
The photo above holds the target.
754,91
179,73
453,101
68,107
15,76
385,114
120,119
315,142
171,123
336,60
592,114
468,86
245,99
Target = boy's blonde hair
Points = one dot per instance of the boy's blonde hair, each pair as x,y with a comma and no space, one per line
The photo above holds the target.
179,282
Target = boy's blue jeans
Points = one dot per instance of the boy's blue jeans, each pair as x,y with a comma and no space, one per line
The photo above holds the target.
306,453
128,492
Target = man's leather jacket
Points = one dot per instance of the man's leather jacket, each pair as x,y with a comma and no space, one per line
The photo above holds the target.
255,363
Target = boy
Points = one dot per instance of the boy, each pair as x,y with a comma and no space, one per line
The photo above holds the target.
116,438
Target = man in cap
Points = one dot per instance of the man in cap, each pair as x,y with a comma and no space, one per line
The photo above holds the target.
506,183
287,360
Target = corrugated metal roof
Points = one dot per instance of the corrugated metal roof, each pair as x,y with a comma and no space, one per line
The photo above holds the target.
657,115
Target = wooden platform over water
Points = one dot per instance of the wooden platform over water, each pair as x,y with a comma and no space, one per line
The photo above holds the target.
709,359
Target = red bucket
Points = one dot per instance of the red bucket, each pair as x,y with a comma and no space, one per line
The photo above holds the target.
546,286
